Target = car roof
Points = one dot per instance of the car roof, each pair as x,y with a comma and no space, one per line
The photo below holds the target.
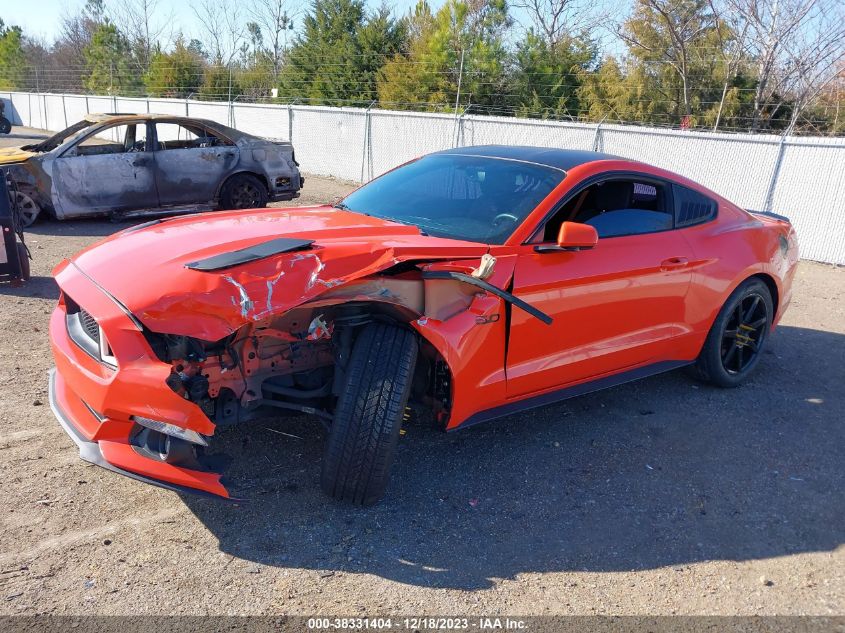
109,117
562,159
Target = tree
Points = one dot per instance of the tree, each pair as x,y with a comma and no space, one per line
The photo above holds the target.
178,73
335,58
141,27
558,20
219,84
14,67
731,35
546,77
222,24
795,46
619,94
674,35
456,55
276,21
66,58
109,65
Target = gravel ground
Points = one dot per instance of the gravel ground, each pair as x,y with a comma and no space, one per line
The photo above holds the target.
663,496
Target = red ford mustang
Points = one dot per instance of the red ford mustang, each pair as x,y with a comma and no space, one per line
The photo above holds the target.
478,282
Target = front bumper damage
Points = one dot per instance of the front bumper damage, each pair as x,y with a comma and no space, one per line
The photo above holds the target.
91,451
97,405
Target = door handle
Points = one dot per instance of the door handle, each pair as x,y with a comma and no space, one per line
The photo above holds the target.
140,162
673,263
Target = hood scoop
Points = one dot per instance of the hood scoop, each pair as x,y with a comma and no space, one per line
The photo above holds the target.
250,254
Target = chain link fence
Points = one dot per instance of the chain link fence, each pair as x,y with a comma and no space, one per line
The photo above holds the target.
800,177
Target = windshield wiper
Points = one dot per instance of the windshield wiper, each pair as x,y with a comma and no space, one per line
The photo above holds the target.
341,206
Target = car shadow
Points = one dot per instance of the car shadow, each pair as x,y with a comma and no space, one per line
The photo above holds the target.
36,286
82,227
662,472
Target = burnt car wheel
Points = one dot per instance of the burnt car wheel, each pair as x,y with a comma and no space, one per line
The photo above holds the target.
736,340
5,125
243,191
28,208
365,429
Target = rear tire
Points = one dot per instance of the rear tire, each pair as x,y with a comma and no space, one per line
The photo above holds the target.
365,431
5,125
737,338
243,191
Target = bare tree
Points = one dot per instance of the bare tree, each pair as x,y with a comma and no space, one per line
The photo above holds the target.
144,25
274,17
555,20
795,45
682,24
815,56
731,33
67,55
223,27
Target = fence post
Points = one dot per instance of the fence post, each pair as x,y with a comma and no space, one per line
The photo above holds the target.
366,146
770,192
64,108
290,122
597,136
459,127
87,107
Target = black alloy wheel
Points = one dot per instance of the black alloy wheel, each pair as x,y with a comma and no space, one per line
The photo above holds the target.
743,334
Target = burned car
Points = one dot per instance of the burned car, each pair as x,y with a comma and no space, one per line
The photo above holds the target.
472,283
127,164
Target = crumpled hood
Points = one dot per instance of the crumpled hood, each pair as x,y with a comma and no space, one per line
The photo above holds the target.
146,268
11,155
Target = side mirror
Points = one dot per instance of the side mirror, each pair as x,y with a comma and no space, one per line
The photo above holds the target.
573,236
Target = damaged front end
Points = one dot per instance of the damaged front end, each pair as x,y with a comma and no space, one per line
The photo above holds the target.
144,386
296,361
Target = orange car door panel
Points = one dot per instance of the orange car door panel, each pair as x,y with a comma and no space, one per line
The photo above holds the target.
615,306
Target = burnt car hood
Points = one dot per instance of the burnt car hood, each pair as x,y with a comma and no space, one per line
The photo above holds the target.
147,269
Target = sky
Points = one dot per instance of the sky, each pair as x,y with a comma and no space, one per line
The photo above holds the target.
41,18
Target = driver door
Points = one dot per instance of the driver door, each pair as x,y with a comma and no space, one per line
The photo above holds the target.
111,169
617,306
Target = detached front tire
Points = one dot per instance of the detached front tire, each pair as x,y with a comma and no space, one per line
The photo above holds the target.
365,429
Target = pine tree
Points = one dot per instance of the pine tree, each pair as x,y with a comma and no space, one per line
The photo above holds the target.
109,63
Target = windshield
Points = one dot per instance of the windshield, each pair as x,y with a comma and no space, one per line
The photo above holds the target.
57,139
474,198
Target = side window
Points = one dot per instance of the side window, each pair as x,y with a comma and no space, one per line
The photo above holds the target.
179,136
691,207
615,208
117,139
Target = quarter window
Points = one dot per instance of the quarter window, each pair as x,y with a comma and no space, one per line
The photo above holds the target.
691,207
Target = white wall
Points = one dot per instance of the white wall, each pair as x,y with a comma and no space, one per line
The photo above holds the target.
800,177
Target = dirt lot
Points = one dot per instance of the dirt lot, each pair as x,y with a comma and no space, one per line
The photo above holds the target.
658,497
